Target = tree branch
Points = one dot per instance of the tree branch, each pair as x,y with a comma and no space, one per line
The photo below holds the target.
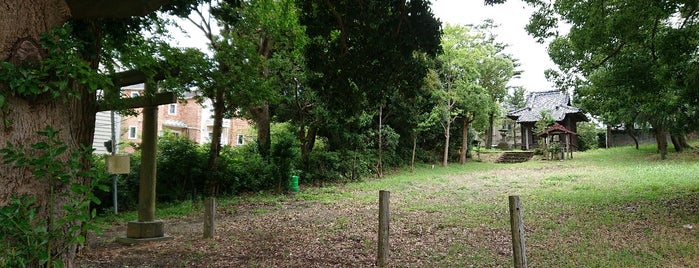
610,56
402,18
341,25
82,9
204,26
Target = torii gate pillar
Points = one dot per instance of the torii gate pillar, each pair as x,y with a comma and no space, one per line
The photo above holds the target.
148,228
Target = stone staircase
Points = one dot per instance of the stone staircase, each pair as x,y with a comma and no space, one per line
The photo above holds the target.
514,157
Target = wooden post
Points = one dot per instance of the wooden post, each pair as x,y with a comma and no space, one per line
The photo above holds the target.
517,228
209,217
384,215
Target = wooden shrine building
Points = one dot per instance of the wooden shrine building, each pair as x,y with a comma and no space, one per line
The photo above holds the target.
558,105
560,137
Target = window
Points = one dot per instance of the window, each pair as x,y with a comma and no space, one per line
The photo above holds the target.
224,135
133,132
134,94
172,109
241,139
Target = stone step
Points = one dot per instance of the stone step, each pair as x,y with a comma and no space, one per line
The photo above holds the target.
514,157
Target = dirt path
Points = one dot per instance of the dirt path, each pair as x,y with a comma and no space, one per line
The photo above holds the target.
425,231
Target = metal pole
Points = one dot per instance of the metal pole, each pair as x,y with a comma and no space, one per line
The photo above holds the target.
114,176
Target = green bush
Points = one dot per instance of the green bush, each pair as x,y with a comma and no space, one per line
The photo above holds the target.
283,156
587,136
128,184
29,240
244,170
181,164
24,237
322,166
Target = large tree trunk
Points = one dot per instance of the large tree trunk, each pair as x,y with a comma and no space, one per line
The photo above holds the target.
260,115
412,157
661,140
632,135
307,139
683,142
21,23
676,143
215,147
379,165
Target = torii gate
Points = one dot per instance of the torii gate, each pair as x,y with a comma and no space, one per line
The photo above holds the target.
146,228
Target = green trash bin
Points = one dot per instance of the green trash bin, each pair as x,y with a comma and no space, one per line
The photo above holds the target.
294,184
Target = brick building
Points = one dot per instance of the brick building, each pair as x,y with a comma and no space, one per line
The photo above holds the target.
186,118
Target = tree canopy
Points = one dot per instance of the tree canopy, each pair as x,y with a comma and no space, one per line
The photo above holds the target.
628,61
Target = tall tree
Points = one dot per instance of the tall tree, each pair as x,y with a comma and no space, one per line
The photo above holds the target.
460,94
515,100
365,56
495,71
254,46
627,57
62,94
218,80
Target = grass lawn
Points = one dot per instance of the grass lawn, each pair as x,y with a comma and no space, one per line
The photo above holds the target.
617,207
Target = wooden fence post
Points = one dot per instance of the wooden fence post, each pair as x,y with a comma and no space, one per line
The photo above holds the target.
517,228
209,217
384,215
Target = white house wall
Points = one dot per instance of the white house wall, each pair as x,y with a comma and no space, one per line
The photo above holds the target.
103,131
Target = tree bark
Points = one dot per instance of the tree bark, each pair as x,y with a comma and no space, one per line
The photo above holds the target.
215,147
379,165
307,139
676,143
21,23
412,158
260,115
683,142
661,140
631,133
464,140
445,157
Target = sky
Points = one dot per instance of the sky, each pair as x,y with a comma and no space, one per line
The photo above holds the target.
511,17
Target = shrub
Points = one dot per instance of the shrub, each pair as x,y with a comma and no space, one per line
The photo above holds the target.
587,136
283,155
180,164
29,240
322,166
243,169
